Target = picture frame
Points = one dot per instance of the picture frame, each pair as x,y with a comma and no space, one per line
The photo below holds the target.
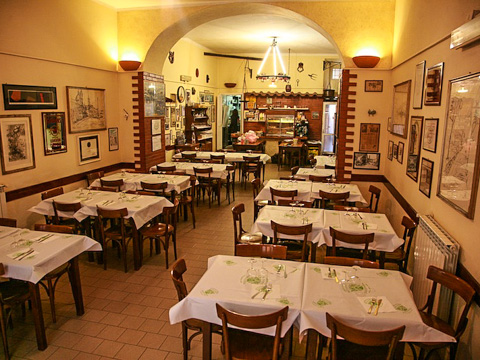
414,148
86,109
433,85
113,143
16,143
88,147
401,108
390,150
168,139
418,85
460,160
395,151
21,97
156,126
426,175
401,147
156,143
181,94
366,161
389,124
154,98
54,133
369,137
430,130
315,115
373,85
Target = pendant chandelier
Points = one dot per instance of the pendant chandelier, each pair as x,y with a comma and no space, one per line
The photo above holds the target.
276,57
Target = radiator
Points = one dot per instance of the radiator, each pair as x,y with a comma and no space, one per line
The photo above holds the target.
433,246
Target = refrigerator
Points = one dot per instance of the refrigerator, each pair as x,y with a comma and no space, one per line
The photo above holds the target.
328,127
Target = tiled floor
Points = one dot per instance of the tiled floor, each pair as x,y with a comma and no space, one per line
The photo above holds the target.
126,314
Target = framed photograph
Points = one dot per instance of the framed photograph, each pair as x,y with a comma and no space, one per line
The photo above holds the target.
433,85
413,156
208,98
426,173
173,97
167,139
390,150
366,161
113,139
373,85
167,126
54,133
88,148
401,146
156,126
154,98
315,115
401,107
460,164
178,125
418,82
430,128
389,124
20,97
16,142
369,137
156,142
181,94
86,109
395,151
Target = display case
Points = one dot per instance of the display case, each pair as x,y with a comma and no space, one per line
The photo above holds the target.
280,124
198,126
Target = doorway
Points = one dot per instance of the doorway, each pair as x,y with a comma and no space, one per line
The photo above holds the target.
231,119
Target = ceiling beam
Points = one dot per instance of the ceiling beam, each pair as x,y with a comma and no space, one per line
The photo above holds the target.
233,56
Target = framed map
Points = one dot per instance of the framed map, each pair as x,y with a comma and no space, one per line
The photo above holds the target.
459,167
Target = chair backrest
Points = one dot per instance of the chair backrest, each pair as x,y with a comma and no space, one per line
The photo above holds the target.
252,322
189,156
335,197
170,214
204,171
297,203
166,169
114,184
237,211
380,341
103,188
91,177
8,222
458,286
295,169
256,184
182,160
62,229
70,208
319,178
107,214
344,261
179,267
374,197
292,230
251,159
331,167
51,193
220,157
349,208
158,188
261,250
291,177
283,193
351,239
408,233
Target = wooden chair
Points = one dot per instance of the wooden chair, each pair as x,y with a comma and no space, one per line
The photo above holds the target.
240,236
461,288
362,344
296,203
291,178
261,250
12,294
294,170
331,167
179,268
289,194
68,209
190,157
296,249
8,222
166,169
220,157
91,177
117,232
318,178
229,182
157,188
345,261
350,208
114,184
49,194
49,281
181,160
186,198
248,345
374,198
251,165
206,184
258,204
162,233
103,188
400,255
355,239
328,200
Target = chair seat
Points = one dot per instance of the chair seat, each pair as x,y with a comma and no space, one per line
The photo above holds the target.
157,230
249,345
294,248
397,255
57,272
438,324
185,199
251,238
350,351
14,289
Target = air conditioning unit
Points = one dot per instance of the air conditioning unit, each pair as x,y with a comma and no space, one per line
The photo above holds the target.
465,34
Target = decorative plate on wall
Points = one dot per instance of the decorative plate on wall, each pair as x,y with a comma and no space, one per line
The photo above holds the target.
181,94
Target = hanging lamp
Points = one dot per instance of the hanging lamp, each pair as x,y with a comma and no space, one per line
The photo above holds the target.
276,57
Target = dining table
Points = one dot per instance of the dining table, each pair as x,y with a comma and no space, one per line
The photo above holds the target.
322,160
219,171
29,255
258,145
288,150
141,209
304,173
304,189
332,188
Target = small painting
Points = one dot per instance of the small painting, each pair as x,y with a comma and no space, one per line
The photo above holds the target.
418,85
54,133
373,85
395,151
401,147
20,97
430,128
156,142
86,109
16,143
366,161
390,150
426,174
433,85
156,126
113,139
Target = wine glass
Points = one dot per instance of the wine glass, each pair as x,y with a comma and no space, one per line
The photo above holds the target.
263,273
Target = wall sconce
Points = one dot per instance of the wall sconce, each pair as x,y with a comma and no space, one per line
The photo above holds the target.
372,112
366,61
129,65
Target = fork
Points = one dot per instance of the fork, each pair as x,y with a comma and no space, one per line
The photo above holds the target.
267,290
372,305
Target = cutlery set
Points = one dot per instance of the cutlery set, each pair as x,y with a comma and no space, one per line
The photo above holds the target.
23,255
45,237
107,202
333,273
375,304
265,289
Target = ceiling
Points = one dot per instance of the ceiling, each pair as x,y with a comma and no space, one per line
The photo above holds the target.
242,34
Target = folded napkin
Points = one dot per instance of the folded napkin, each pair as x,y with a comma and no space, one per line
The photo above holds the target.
23,254
367,226
385,306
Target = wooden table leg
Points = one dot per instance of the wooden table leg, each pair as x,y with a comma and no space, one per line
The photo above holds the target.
137,262
38,316
207,340
76,285
382,259
312,339
219,189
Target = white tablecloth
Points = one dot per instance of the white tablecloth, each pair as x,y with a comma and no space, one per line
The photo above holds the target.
304,189
323,160
293,217
47,255
355,194
304,173
229,156
140,208
218,170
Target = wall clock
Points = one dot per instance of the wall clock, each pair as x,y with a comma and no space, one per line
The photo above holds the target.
181,94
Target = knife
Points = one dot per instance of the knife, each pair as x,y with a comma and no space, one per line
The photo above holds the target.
374,302
24,255
378,306
46,237
335,274
261,290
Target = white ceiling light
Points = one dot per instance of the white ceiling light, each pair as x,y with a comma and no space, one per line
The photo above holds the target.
276,57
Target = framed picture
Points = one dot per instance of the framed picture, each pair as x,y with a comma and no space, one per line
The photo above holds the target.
373,85
426,173
167,126
395,151
156,142
369,137
390,150
209,98
401,146
54,133
154,98
418,85
16,141
20,97
389,124
366,161
88,148
178,125
156,126
401,106
460,164
433,85
181,94
113,139
430,128
86,109
167,140
315,115
414,146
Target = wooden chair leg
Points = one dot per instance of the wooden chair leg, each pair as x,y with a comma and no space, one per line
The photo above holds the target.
51,297
193,214
185,341
3,326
